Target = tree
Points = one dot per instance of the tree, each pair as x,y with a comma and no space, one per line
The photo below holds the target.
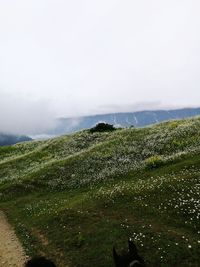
103,127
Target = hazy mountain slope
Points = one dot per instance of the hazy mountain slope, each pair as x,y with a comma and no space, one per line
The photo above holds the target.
137,119
73,197
9,139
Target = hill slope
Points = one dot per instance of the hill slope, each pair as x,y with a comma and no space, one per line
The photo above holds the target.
73,197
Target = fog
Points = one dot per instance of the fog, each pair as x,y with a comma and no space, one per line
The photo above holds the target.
20,115
61,58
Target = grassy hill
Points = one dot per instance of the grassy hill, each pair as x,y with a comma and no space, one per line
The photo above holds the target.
72,198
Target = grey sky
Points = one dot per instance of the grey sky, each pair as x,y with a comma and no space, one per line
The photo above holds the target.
69,58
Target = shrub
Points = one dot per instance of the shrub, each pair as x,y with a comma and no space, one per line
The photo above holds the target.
154,162
102,127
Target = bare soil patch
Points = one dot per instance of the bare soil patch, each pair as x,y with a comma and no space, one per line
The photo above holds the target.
11,251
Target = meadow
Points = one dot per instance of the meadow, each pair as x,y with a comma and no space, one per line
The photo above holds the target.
73,197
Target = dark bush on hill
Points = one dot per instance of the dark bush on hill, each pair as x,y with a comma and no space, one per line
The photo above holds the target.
103,127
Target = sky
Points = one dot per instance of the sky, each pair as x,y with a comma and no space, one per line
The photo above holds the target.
63,58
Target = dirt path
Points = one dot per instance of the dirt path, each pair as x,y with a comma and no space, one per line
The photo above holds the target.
11,251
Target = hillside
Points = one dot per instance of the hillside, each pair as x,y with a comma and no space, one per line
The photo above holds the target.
136,119
73,197
11,139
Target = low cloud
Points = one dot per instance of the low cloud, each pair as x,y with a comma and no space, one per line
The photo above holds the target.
37,118
19,115
134,107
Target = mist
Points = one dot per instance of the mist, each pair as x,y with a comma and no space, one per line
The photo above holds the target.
75,58
20,115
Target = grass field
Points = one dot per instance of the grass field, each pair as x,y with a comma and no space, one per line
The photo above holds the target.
72,198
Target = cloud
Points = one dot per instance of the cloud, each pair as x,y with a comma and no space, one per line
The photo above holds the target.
74,58
133,107
20,115
130,107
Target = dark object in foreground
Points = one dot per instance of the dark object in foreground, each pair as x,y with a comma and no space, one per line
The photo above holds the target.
39,262
102,127
130,259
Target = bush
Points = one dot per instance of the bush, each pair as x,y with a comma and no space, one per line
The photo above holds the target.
154,162
103,127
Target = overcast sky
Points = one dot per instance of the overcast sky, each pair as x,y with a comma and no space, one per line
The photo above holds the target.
69,58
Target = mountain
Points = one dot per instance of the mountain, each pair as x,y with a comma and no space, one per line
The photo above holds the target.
10,139
136,119
73,197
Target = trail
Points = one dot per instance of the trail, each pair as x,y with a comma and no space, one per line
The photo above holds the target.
11,251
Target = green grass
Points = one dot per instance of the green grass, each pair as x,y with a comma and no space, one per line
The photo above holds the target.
72,198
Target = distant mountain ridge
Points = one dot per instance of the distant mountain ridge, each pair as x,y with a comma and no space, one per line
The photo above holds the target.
126,119
11,139
136,119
